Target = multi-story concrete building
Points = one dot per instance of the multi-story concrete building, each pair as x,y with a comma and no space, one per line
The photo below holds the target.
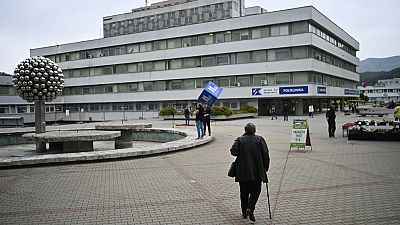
164,55
384,91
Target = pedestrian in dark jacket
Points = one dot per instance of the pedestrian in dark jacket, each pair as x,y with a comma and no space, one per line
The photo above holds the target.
207,119
199,120
285,112
252,164
330,117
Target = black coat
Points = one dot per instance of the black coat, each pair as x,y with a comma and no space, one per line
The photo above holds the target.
252,160
330,115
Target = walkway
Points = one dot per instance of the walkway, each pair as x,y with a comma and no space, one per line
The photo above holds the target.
339,182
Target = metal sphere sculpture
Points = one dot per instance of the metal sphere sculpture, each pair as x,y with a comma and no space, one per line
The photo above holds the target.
38,79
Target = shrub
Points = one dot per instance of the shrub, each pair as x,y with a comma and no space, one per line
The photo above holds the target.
248,109
167,111
217,111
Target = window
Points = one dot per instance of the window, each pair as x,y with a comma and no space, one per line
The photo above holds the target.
159,65
282,78
278,54
121,69
207,61
259,80
160,86
147,66
189,41
133,48
175,64
86,90
243,57
175,43
85,72
110,88
148,86
205,39
133,87
300,78
107,70
222,60
98,71
191,62
99,89
122,87
145,47
299,27
76,91
132,68
243,81
240,35
188,84
223,82
176,85
160,45
299,52
280,30
259,56
260,32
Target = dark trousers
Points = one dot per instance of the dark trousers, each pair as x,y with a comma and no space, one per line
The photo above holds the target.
285,116
331,128
249,193
206,123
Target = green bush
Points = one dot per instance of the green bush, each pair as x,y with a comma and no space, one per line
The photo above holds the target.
217,111
248,109
167,111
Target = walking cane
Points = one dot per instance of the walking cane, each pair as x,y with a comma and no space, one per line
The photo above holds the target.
269,205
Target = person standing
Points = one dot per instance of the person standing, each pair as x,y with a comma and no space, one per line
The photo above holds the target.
187,116
199,120
285,112
273,113
252,164
330,117
311,110
207,119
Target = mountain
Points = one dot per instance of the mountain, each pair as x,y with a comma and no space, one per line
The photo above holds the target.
372,78
4,74
379,64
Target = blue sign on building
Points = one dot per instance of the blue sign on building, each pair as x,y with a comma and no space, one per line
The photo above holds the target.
321,90
210,93
351,92
293,90
256,91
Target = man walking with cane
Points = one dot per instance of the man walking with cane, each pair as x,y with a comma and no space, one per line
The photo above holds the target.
252,164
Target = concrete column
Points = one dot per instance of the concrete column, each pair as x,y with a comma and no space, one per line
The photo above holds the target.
299,107
40,124
125,140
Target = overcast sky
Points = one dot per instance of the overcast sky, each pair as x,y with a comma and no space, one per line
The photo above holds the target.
27,24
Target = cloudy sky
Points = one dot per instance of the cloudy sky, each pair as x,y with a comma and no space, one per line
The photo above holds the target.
27,24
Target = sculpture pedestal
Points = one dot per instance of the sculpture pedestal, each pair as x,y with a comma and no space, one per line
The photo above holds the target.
40,124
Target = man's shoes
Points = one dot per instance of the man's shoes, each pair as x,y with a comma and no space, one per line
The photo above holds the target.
244,215
250,214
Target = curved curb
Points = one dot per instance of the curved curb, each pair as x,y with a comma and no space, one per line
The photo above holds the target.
187,142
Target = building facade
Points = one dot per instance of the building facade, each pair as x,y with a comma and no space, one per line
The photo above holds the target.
164,55
385,91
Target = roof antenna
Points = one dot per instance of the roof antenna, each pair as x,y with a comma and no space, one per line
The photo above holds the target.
145,2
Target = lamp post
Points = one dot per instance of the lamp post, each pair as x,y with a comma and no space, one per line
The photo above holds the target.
38,79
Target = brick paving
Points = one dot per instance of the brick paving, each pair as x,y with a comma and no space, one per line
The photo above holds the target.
338,182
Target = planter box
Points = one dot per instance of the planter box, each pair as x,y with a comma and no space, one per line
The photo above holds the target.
373,136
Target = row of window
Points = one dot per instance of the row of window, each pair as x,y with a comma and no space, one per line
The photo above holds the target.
113,107
205,39
388,90
165,20
300,52
331,39
226,81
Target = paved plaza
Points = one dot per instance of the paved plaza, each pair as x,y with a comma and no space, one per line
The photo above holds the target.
338,182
